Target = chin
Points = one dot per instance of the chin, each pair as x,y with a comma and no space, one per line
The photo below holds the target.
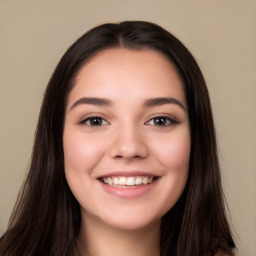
133,225
132,220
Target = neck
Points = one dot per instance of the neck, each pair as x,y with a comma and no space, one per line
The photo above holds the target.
99,239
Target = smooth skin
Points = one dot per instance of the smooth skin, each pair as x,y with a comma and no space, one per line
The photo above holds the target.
125,130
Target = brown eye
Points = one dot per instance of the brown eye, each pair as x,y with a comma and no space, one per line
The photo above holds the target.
94,121
162,121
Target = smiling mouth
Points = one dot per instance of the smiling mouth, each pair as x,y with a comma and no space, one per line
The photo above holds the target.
133,181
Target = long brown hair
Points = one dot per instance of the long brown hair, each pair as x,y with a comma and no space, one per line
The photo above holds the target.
46,217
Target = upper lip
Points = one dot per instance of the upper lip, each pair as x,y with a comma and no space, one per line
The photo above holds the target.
127,173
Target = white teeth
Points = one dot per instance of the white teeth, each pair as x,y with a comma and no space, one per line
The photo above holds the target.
138,181
109,181
122,181
128,181
145,180
116,181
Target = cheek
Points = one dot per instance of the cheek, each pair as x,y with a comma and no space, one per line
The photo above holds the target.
174,155
174,152
81,153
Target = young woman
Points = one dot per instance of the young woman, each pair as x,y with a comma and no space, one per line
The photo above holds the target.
125,157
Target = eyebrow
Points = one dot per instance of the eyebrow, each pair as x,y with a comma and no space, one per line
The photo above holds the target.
152,102
92,101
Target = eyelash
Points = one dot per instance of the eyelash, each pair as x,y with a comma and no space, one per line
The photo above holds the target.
90,119
167,121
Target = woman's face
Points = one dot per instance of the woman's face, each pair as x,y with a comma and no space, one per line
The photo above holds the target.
126,138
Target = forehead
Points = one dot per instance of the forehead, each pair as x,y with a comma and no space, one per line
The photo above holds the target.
115,72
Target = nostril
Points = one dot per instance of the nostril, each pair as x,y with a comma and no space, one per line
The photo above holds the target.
128,146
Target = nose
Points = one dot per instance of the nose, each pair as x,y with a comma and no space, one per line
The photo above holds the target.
128,143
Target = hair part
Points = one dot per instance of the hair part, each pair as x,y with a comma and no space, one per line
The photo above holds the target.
46,218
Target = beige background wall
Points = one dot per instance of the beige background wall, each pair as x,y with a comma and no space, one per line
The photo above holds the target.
220,34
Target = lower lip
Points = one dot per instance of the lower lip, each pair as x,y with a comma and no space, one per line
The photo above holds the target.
127,192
